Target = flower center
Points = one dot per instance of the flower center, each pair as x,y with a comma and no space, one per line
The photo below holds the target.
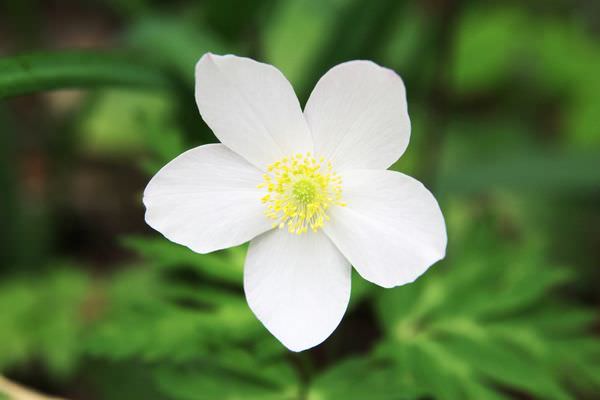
304,191
300,191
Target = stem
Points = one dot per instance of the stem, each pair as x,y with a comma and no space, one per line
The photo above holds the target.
305,370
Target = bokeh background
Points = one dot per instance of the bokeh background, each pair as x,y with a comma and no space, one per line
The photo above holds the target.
504,99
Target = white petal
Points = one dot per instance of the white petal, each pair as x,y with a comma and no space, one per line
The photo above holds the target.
358,116
297,285
251,108
206,199
392,228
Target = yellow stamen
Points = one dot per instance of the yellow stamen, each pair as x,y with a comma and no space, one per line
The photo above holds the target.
300,190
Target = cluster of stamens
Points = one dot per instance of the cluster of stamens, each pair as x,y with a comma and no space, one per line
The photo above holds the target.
300,191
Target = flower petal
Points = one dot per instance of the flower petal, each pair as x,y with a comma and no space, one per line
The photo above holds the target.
206,199
251,108
392,228
297,285
358,117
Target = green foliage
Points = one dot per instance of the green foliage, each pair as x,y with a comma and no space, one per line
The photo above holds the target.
360,378
42,318
44,71
487,324
504,45
185,317
151,320
313,20
230,377
405,40
173,42
488,47
575,75
505,159
225,266
479,327
527,172
135,114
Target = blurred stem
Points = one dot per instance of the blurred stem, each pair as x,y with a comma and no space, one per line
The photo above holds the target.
15,391
305,369
439,95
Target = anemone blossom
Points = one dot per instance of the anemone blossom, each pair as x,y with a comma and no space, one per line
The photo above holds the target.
309,190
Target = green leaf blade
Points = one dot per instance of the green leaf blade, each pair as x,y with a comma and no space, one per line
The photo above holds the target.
29,73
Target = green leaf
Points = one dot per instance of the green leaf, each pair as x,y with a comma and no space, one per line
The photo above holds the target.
225,266
229,376
490,319
559,320
155,319
29,73
452,372
360,378
502,364
42,319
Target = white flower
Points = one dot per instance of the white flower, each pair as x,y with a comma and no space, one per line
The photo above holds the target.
310,191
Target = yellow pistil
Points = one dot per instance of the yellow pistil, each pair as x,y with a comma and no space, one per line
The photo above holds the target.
300,190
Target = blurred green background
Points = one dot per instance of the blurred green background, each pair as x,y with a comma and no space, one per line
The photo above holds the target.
504,99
